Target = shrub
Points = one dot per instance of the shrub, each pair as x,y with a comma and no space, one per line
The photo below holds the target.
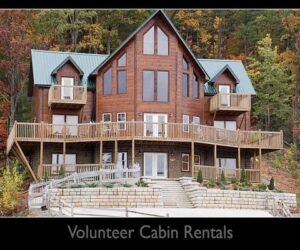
200,177
234,180
92,184
223,186
61,171
235,186
243,178
211,183
262,187
10,183
271,186
108,185
76,185
46,178
126,185
223,178
141,183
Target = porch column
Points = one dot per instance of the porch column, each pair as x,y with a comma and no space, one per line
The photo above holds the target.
215,155
40,169
100,152
116,152
64,153
239,163
132,153
259,162
193,159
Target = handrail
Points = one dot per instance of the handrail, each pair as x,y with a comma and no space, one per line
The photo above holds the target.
40,189
76,94
230,101
147,131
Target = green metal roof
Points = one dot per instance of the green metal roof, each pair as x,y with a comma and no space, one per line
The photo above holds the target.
44,62
214,66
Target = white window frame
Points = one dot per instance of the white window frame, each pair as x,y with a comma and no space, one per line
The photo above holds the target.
188,162
107,125
121,124
199,157
185,127
65,87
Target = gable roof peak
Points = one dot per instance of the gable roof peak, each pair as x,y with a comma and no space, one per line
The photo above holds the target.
68,59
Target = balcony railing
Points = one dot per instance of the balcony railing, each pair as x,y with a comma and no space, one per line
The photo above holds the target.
60,95
139,130
211,172
230,103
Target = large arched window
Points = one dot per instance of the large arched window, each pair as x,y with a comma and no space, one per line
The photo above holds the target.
156,41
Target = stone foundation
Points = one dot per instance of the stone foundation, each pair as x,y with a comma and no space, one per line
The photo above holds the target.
202,197
131,197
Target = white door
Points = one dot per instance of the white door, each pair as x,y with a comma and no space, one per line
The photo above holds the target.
228,165
67,88
224,90
72,125
155,164
58,123
122,160
70,163
156,125
231,125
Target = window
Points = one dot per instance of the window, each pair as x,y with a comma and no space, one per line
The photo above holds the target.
156,86
121,121
107,121
185,85
231,125
58,161
197,160
162,43
107,158
196,120
162,86
195,87
185,65
185,121
121,81
122,61
149,41
185,162
107,82
148,85
155,41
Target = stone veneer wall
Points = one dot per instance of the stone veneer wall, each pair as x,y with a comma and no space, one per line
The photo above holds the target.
202,197
102,197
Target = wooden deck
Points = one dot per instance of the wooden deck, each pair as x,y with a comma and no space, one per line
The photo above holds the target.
133,130
231,103
76,96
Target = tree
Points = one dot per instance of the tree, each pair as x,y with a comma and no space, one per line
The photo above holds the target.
273,83
14,53
271,185
199,176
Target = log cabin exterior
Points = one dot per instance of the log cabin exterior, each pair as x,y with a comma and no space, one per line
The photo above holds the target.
150,102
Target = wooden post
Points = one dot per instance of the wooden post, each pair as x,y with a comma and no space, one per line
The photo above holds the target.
40,170
101,152
215,155
239,163
64,153
259,162
193,159
132,153
116,152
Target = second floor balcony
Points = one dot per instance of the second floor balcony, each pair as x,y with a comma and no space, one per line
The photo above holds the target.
230,103
71,97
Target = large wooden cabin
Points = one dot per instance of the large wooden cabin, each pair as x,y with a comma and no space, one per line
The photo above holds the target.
150,102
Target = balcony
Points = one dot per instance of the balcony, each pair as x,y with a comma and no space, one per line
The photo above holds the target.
71,97
230,104
139,130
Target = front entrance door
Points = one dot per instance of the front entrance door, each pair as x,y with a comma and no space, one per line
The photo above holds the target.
225,98
72,124
122,160
155,164
67,84
156,125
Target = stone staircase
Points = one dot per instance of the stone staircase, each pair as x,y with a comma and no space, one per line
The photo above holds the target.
173,194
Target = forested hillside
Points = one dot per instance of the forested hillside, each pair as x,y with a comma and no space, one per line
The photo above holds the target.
267,41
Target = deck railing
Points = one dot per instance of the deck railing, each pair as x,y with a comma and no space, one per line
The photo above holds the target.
211,172
67,94
146,131
230,102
